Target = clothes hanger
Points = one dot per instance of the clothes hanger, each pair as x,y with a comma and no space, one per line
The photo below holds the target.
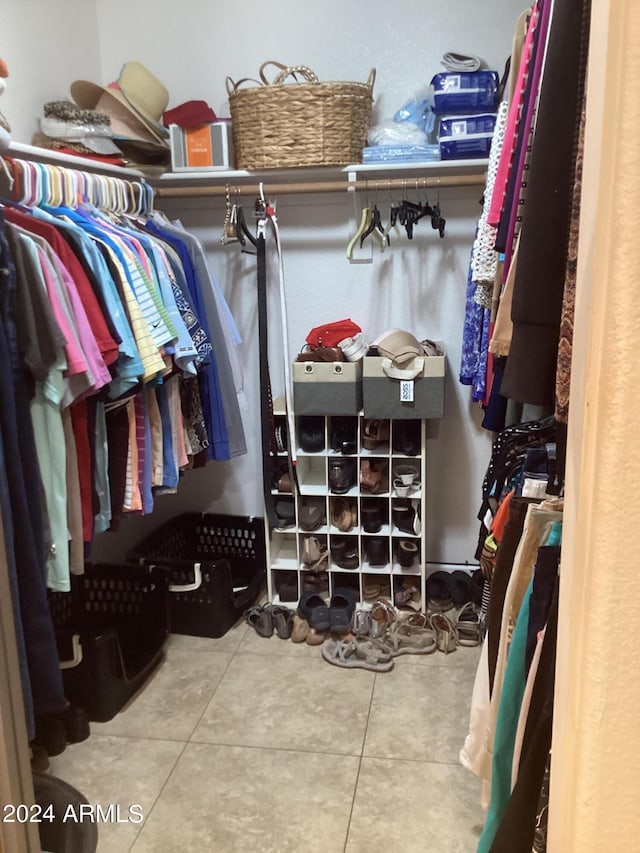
376,229
242,231
365,221
228,234
8,173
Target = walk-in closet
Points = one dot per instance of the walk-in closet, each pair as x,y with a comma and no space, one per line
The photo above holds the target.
265,421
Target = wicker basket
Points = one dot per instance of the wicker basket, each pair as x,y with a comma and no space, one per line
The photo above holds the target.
303,124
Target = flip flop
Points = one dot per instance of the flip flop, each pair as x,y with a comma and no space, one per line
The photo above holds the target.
358,655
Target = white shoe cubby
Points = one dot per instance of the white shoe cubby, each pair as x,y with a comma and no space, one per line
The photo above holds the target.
288,576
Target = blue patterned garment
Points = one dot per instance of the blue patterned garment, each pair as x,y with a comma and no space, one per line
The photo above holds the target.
475,344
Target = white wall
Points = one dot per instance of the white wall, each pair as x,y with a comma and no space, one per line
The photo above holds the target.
418,285
46,46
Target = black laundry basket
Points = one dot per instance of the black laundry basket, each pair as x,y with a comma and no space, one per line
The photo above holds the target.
217,567
110,632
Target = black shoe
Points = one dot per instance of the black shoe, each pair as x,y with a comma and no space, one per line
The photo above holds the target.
342,475
372,515
407,552
50,734
406,437
311,433
76,723
377,548
312,514
344,552
343,435
403,515
287,586
285,513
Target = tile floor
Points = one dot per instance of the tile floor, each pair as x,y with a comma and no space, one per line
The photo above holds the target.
252,744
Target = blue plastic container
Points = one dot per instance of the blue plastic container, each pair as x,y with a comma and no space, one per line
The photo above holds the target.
465,92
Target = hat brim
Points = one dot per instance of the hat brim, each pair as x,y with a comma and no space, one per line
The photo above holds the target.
88,95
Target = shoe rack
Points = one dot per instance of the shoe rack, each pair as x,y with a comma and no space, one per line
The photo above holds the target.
387,562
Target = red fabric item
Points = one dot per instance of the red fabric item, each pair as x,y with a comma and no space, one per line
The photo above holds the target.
190,114
112,160
501,516
80,424
330,334
107,346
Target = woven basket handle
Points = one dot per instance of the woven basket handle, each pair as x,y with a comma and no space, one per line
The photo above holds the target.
233,87
287,71
371,78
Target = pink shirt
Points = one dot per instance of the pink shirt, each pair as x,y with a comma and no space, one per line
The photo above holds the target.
513,121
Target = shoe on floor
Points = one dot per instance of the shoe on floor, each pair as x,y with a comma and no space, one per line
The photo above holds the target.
282,618
300,629
260,618
358,654
343,604
313,608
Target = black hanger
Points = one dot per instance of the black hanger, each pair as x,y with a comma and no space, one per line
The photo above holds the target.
241,229
375,225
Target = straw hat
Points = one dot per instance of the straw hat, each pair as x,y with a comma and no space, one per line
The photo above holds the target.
134,102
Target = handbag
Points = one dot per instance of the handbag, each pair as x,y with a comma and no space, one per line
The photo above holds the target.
330,334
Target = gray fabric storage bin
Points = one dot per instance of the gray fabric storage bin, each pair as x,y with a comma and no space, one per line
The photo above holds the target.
381,395
327,388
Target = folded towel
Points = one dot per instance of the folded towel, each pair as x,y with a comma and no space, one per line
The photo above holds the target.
461,62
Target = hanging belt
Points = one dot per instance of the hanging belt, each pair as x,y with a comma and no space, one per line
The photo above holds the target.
266,408
266,404
271,215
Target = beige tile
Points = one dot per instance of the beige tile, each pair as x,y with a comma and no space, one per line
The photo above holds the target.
465,657
119,771
236,800
420,712
169,705
415,807
278,702
228,643
253,643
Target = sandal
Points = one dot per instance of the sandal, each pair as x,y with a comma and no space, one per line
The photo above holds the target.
314,554
445,631
383,615
260,618
361,623
358,654
406,638
409,597
282,619
374,475
469,626
373,433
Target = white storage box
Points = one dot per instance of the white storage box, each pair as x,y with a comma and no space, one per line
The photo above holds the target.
201,149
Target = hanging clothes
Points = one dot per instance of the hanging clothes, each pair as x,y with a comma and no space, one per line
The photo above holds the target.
538,289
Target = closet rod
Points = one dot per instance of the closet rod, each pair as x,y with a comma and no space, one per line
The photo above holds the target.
367,185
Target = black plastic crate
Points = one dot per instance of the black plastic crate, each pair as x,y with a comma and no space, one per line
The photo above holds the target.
217,566
110,631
